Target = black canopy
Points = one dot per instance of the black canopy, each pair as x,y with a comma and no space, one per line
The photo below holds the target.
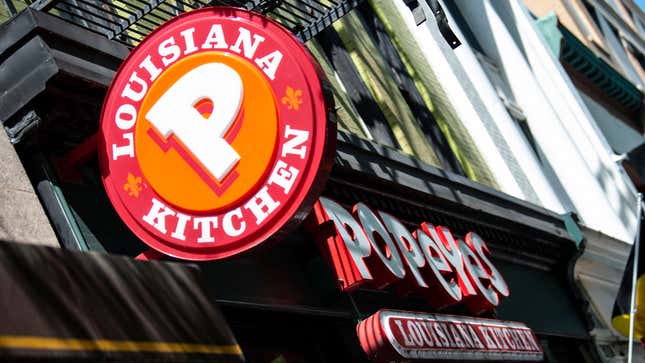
58,304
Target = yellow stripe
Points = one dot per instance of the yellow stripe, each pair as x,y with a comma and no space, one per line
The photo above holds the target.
33,342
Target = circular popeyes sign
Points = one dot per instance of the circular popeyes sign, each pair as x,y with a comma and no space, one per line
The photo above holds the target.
215,135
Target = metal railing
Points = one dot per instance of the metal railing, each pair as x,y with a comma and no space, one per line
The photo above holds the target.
129,21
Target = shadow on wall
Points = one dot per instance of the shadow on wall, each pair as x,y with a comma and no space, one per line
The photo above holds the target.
626,204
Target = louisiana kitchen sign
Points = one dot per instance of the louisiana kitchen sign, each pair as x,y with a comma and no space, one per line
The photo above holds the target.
391,336
215,134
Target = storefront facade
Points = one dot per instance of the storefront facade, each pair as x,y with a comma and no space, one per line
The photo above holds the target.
284,299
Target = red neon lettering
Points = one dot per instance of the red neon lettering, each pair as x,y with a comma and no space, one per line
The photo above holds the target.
365,247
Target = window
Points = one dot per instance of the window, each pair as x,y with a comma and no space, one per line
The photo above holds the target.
637,55
377,82
453,9
592,12
589,21
356,90
424,118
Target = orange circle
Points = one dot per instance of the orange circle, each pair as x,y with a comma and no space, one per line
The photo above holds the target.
186,184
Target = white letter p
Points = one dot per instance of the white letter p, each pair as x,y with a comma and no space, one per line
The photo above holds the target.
174,113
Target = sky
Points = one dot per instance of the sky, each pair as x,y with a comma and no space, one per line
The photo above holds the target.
641,3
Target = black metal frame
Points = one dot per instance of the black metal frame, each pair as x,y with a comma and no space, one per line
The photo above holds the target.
129,21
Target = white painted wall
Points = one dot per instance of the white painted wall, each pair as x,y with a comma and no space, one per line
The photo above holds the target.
441,58
577,156
600,271
476,103
573,145
620,137
515,139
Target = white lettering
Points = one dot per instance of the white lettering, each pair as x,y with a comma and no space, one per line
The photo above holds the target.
354,239
227,223
169,51
442,336
522,340
156,217
261,205
127,149
414,332
461,268
450,250
205,224
438,263
498,338
174,113
489,342
479,246
407,245
373,228
516,340
270,63
468,342
150,67
182,220
530,340
295,144
428,335
477,273
406,340
126,116
509,339
135,96
283,177
456,337
244,40
447,333
475,338
215,38
189,41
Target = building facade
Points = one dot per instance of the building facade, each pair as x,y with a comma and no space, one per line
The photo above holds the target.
495,137
599,49
555,123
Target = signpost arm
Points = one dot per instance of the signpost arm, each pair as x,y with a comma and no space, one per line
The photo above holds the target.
632,307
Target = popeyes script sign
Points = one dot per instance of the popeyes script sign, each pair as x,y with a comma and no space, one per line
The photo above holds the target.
215,135
376,249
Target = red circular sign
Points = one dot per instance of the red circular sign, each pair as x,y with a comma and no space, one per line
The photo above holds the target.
215,135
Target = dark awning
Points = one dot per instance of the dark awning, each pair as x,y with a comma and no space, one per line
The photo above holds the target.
59,304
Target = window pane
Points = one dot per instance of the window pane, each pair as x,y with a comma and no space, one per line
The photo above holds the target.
348,118
357,90
425,121
435,99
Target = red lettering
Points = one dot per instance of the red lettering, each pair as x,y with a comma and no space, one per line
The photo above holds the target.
375,248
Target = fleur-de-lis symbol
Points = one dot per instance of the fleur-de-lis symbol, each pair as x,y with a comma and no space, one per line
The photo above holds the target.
133,186
293,98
